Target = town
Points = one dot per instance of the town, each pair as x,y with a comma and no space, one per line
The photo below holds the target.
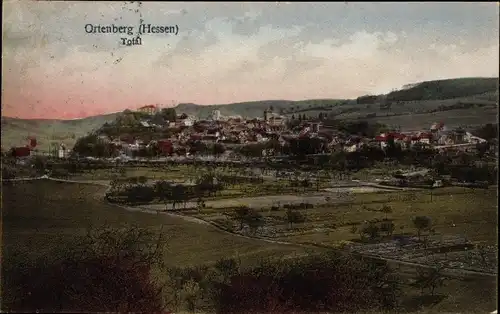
255,158
141,133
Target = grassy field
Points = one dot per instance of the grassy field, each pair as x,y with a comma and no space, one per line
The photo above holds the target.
462,211
37,216
178,173
466,118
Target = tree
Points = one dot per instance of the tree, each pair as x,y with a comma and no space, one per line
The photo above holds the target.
140,194
246,215
329,282
254,221
430,278
293,217
488,131
387,227
386,209
168,114
107,270
219,149
198,147
371,230
178,194
353,229
190,291
422,223
40,164
482,149
305,184
227,267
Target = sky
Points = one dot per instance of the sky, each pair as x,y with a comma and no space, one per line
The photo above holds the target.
233,52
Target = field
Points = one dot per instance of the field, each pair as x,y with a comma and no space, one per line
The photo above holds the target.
41,215
471,213
466,118
38,216
453,210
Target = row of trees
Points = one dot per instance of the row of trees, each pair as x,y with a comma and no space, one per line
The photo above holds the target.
134,191
372,230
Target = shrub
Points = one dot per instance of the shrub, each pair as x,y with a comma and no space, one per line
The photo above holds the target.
330,282
109,270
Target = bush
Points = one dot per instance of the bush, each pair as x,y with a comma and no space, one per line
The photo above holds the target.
109,270
330,282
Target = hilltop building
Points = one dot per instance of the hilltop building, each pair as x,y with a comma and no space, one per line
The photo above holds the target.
216,116
150,109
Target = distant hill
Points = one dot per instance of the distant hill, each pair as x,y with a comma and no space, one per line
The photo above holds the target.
462,101
254,109
15,131
444,89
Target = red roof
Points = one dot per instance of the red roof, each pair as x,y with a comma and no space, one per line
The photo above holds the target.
398,136
148,107
33,142
426,135
165,146
386,136
21,151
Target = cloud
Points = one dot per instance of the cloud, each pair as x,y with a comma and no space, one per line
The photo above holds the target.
228,52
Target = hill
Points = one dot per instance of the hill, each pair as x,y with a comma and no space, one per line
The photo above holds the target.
467,102
445,89
254,109
15,131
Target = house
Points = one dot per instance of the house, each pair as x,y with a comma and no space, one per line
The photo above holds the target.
62,152
351,148
473,139
20,152
104,138
165,147
425,138
25,151
216,116
145,124
276,120
383,138
185,121
32,142
315,127
150,109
